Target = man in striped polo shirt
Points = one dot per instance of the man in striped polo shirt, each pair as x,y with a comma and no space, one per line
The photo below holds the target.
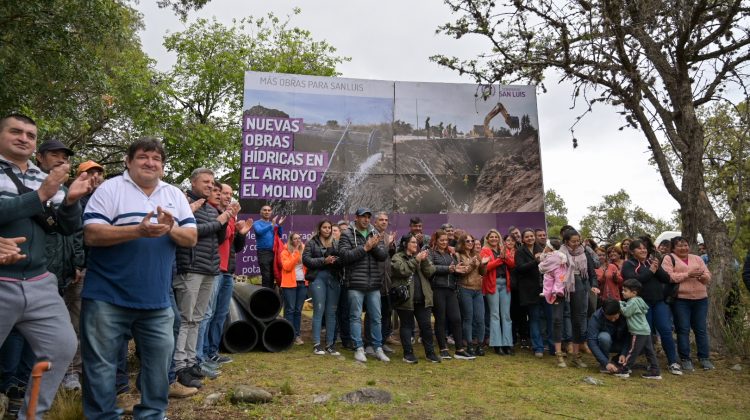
33,203
133,224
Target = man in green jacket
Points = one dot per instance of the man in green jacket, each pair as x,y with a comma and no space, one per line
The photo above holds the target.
31,204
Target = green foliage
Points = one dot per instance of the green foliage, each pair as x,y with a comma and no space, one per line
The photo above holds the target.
205,86
615,218
555,211
182,7
63,62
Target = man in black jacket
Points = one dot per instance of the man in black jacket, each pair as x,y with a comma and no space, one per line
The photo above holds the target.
197,268
361,251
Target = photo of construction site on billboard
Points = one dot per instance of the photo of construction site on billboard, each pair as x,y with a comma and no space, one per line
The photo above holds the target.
326,146
463,149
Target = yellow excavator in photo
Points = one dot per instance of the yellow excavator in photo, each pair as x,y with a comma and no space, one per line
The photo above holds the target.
511,121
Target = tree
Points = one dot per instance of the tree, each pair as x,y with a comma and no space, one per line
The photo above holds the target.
556,212
615,218
657,61
205,85
77,67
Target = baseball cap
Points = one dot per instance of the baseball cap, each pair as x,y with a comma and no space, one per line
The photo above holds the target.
54,144
89,164
362,211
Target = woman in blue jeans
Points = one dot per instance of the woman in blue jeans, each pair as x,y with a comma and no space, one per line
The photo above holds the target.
496,289
319,257
470,293
689,271
293,283
646,269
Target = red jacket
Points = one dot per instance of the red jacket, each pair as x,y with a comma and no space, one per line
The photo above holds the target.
489,280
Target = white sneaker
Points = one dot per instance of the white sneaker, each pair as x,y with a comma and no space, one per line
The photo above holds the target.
370,351
675,369
359,355
380,355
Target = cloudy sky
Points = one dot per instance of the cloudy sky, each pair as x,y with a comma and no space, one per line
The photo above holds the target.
392,40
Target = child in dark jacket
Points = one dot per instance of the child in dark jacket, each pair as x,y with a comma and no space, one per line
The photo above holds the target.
634,308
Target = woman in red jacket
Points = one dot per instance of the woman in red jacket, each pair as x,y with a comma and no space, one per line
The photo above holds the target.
293,283
496,290
609,276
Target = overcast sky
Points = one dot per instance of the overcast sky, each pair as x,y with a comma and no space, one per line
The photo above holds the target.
392,40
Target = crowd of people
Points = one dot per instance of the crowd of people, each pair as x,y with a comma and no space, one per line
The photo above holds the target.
86,265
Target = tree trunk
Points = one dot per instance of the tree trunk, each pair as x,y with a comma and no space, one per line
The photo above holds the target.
722,267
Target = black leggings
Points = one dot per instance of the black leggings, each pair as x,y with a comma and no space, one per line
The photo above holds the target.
406,319
446,305
578,311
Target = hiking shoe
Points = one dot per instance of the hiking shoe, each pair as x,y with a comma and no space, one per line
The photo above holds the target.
463,355
210,364
178,390
707,364
318,349
433,357
71,381
195,371
675,369
220,359
298,341
651,375
578,361
387,349
359,355
687,365
208,372
332,351
185,378
445,355
410,358
370,351
380,355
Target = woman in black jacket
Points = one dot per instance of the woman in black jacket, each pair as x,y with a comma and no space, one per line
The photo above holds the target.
647,269
320,257
529,286
444,295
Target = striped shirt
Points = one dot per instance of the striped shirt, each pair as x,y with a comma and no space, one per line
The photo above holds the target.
138,273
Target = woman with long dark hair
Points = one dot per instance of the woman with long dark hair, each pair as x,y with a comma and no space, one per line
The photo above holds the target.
647,269
412,267
444,295
529,287
320,258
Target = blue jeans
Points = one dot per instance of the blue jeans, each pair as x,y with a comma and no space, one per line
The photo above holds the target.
501,327
472,315
689,313
294,298
659,318
224,287
325,291
535,315
200,353
176,332
103,328
372,301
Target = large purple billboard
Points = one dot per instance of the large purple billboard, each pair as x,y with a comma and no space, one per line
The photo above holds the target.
317,147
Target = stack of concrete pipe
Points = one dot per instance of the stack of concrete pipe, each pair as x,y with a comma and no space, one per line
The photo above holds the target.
252,321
